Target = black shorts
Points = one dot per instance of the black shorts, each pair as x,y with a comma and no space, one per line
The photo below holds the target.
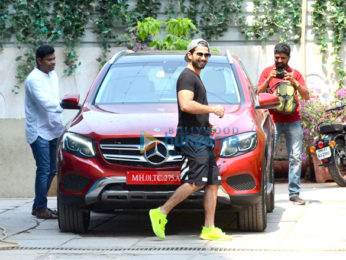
199,164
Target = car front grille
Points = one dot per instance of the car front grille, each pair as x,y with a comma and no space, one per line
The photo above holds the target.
123,192
124,186
154,153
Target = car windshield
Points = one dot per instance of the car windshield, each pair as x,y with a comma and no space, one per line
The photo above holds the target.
155,82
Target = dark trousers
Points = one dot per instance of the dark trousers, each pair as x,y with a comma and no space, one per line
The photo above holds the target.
45,156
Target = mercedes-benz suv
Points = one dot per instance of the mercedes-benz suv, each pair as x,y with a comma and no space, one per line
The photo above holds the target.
118,152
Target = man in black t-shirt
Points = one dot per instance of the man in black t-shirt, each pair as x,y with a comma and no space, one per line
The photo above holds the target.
199,169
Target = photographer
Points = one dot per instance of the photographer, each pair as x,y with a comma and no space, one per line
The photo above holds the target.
277,79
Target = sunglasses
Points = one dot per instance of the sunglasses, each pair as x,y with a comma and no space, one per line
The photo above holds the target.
200,54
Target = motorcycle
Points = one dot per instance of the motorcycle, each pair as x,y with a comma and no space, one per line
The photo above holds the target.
331,148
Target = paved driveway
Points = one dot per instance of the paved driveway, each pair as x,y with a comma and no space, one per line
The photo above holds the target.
316,230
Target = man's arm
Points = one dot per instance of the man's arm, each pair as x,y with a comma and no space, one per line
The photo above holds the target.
264,80
188,105
299,84
303,91
43,98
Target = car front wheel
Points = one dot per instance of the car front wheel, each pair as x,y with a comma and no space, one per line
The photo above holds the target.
72,219
271,187
254,217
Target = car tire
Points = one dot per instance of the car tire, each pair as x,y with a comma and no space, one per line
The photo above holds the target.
271,200
72,219
254,217
271,182
336,166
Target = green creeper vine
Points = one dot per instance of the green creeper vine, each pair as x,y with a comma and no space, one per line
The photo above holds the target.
31,26
331,12
319,24
146,8
33,22
4,33
338,21
175,8
275,17
192,11
216,18
108,14
111,13
71,17
189,11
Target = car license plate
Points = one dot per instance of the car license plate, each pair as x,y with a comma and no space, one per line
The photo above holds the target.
153,177
323,153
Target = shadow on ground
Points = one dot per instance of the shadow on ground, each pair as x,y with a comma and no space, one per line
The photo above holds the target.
180,222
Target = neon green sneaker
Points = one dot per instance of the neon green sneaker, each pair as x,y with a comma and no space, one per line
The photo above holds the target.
158,222
214,233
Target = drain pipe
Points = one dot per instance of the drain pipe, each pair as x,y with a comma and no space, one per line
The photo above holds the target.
303,40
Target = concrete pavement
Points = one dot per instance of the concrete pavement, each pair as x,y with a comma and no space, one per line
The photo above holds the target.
316,230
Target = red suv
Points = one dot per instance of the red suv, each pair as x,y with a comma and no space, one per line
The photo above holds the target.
118,152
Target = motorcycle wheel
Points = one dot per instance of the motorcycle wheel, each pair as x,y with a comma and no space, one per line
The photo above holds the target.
337,167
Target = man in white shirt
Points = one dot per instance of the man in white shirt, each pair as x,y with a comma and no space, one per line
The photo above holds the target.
43,125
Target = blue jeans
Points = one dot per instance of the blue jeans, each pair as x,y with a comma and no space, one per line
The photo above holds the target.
293,133
45,156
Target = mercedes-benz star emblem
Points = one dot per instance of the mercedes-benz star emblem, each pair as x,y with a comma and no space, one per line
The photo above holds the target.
156,152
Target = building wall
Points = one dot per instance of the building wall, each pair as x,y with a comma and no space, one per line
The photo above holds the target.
17,167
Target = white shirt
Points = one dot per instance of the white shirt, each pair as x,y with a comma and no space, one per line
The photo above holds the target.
42,106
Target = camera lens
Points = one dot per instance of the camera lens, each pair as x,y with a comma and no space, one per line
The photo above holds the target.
280,71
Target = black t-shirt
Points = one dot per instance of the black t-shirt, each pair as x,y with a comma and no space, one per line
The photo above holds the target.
193,123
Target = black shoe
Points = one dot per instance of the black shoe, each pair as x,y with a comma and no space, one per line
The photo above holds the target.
34,211
45,214
297,200
55,212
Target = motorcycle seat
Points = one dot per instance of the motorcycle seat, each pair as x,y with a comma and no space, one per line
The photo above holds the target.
327,128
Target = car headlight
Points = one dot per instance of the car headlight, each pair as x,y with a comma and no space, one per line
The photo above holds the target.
78,145
238,144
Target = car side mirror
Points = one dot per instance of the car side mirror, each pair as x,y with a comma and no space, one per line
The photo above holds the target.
70,101
267,101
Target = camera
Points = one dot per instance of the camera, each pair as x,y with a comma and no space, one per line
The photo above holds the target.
280,71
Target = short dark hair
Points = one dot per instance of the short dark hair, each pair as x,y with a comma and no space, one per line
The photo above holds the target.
282,48
44,50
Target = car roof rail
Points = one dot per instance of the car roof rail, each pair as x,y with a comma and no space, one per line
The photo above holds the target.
118,55
229,56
